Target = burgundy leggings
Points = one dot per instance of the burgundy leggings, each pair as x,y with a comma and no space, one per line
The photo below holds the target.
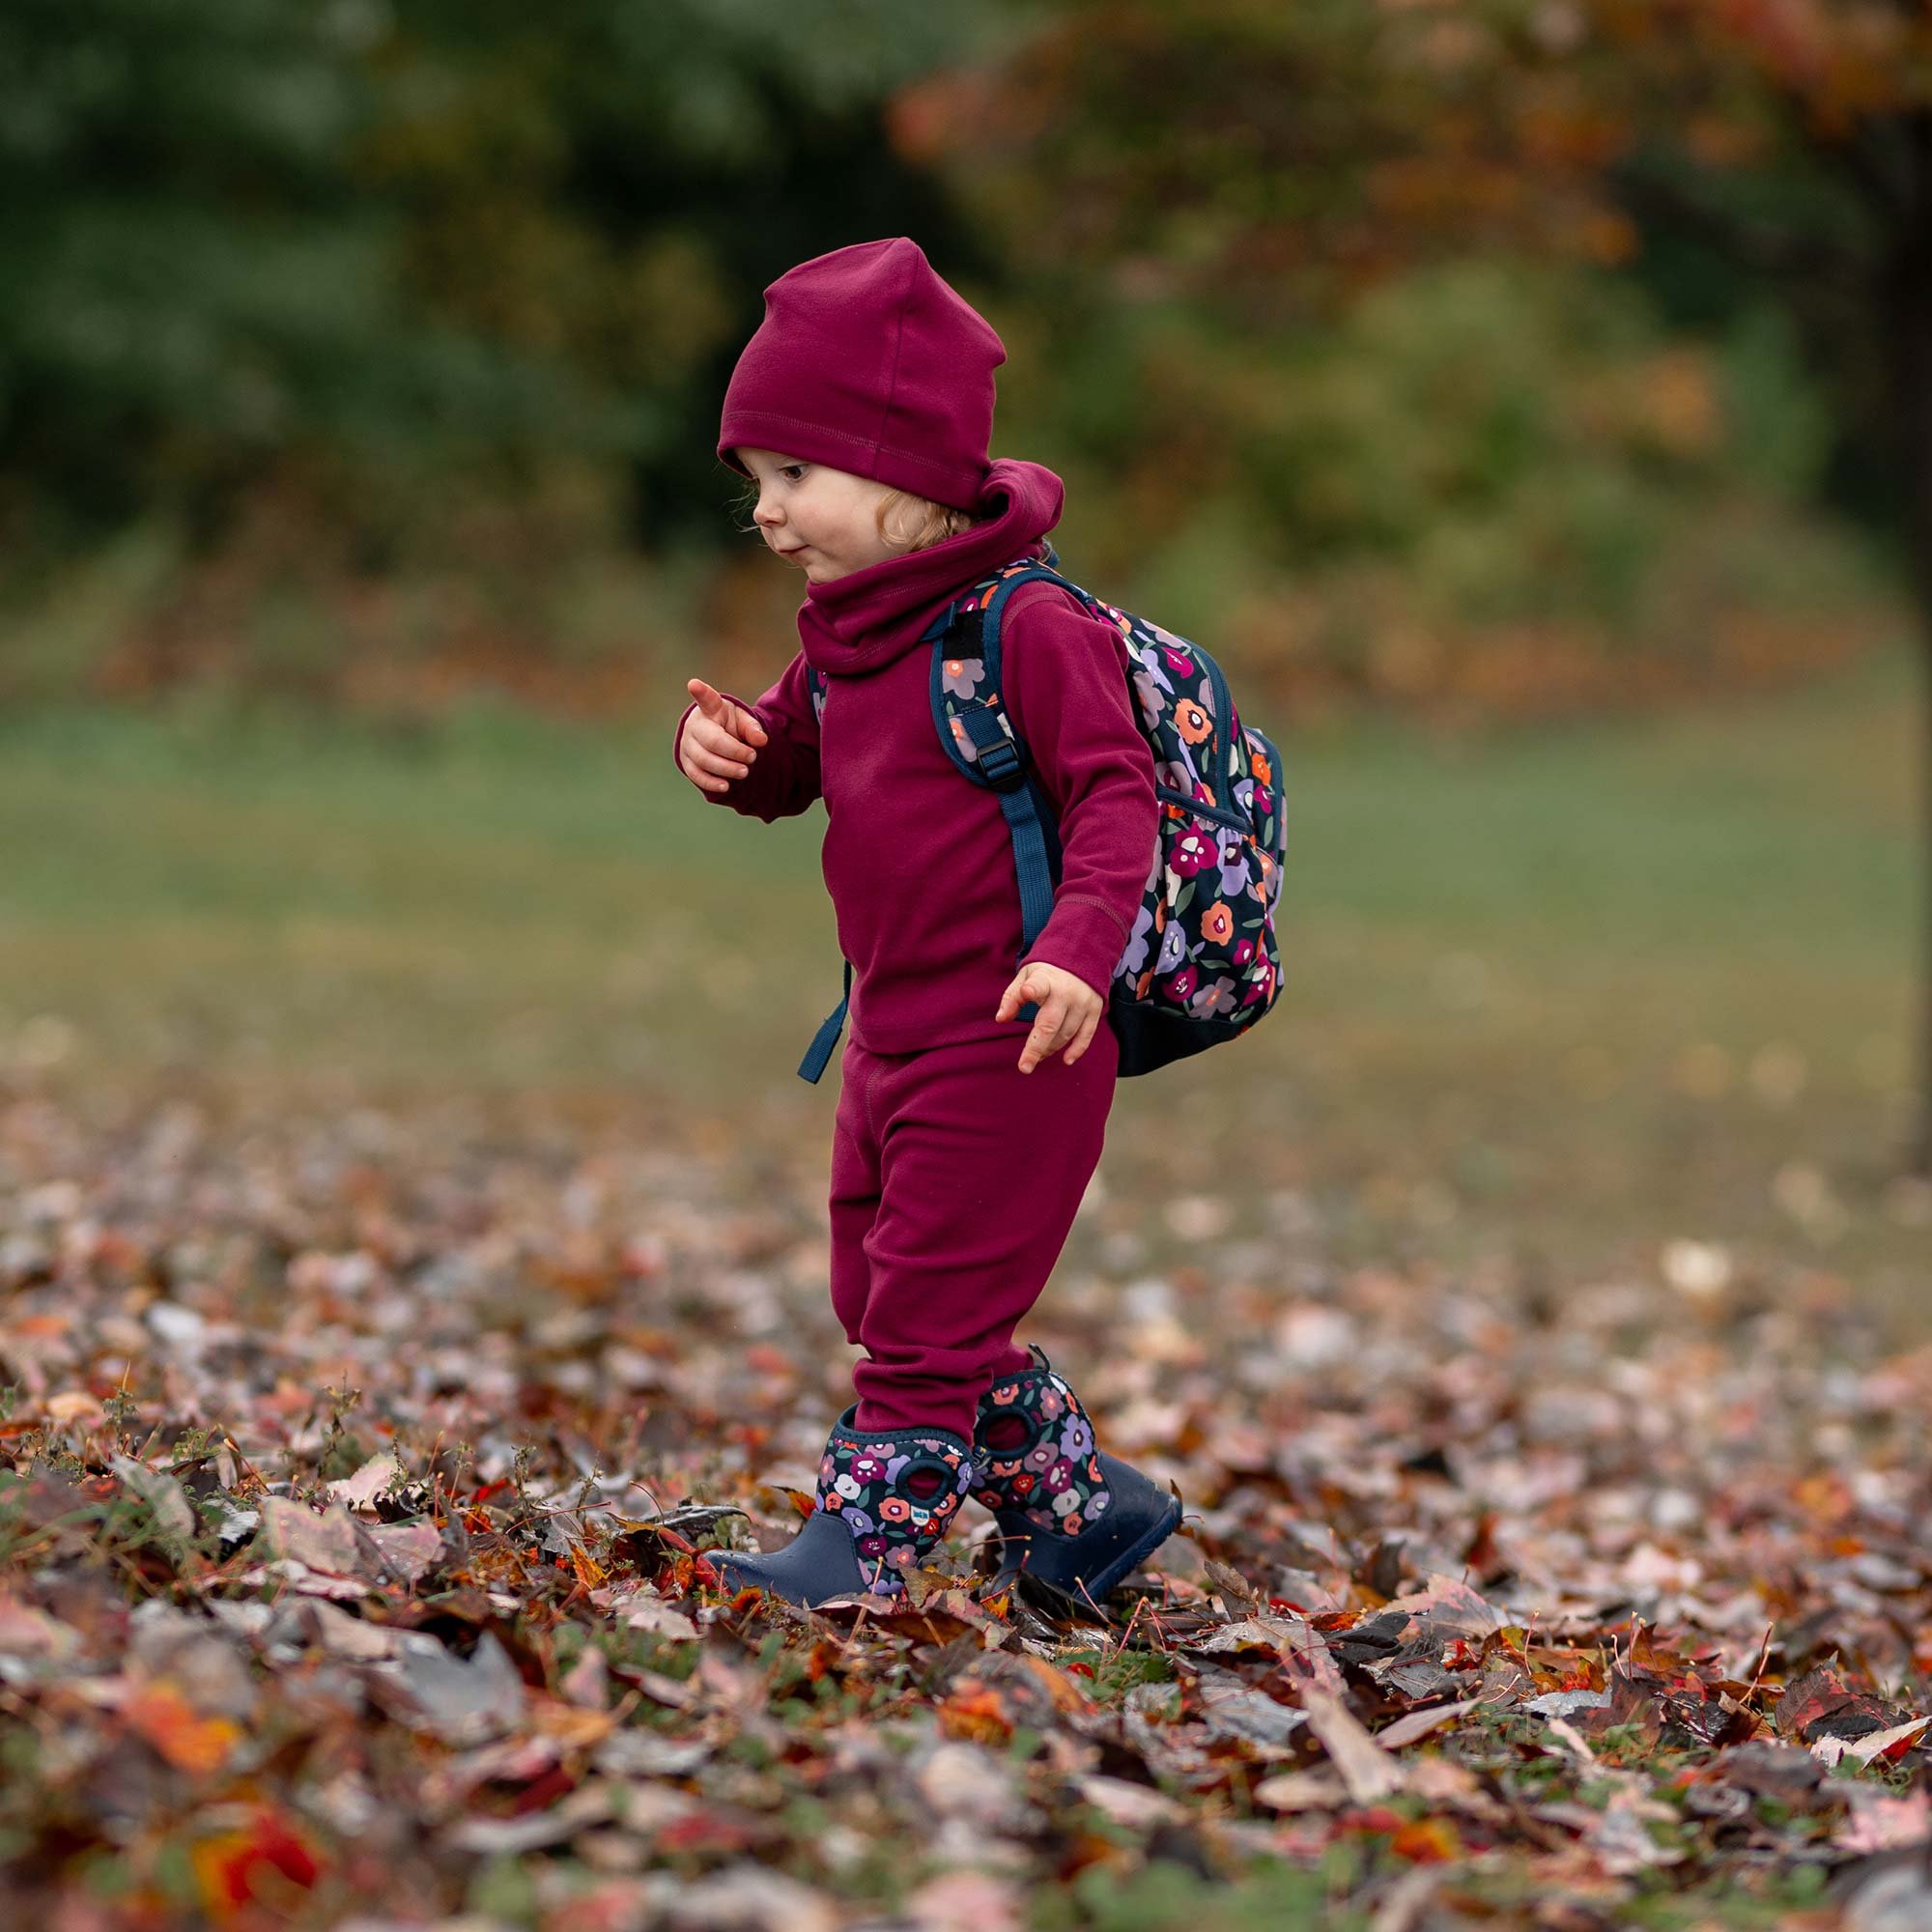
955,1179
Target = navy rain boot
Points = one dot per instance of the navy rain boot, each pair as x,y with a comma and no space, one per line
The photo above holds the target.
885,1499
1068,1513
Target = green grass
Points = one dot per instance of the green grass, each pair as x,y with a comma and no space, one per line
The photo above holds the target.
1578,989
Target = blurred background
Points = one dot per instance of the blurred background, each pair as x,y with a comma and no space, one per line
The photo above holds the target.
1530,404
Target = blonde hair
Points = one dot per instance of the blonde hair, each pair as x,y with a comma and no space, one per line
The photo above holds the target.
918,522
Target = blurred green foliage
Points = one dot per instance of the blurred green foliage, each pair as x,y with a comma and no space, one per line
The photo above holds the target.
411,236
371,350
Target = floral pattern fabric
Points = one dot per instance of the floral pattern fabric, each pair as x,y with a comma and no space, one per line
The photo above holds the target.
896,1491
1204,949
1051,1471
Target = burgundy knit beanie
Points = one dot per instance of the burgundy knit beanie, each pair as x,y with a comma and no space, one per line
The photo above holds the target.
869,362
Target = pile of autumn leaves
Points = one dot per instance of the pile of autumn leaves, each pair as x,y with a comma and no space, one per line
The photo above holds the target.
356,1475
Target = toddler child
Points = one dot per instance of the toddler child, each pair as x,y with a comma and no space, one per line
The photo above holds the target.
964,1138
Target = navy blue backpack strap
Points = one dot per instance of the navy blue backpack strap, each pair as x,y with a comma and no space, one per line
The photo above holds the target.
999,763
827,1037
819,1052
998,759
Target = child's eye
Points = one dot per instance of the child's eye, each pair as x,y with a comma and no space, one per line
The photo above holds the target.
793,470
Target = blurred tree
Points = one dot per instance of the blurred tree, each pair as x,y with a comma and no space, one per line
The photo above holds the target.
194,282
415,234
609,187
1757,146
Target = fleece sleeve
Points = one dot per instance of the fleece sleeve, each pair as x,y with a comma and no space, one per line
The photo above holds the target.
784,778
1067,691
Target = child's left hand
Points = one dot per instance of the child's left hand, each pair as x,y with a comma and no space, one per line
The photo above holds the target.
1069,1011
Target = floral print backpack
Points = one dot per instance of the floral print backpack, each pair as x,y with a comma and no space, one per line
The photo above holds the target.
1203,964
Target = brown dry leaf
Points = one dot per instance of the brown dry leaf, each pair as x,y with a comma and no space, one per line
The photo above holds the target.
1366,1769
326,1541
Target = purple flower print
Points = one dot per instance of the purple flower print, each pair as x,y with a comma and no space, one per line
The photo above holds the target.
858,1521
1236,870
1135,957
1060,1477
871,1546
1150,657
1051,1404
1041,1456
895,1466
961,677
1173,947
1076,1439
1097,1502
1181,984
868,1468
1211,1001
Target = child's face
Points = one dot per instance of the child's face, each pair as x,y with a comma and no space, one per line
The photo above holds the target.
821,519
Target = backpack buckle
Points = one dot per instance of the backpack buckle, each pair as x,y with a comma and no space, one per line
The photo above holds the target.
1000,764
995,756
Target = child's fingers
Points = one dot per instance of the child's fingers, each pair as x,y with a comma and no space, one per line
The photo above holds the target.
698,775
711,757
718,740
728,772
1021,988
708,760
1046,1034
1082,1040
734,720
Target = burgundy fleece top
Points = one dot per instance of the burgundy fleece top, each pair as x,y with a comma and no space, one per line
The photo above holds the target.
917,860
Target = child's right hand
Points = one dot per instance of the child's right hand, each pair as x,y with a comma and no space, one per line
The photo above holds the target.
719,740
